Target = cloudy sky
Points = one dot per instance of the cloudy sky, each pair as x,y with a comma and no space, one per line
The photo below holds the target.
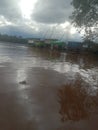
37,18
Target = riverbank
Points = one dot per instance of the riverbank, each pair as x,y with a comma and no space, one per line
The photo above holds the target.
76,47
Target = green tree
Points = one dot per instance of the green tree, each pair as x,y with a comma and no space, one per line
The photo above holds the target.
85,16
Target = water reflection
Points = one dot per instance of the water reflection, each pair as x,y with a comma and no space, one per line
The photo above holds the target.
69,64
83,60
44,71
76,101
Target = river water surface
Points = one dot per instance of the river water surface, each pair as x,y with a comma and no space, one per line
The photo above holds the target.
47,90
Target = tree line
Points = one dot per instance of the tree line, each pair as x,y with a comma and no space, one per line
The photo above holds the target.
85,17
14,39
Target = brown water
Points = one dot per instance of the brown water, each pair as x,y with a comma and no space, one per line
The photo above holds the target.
47,90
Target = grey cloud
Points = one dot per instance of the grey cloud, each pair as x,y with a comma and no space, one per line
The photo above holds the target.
46,15
44,32
52,11
10,9
22,30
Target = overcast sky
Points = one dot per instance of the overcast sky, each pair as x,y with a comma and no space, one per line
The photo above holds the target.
37,18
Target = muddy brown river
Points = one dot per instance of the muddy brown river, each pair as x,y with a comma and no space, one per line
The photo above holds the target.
47,90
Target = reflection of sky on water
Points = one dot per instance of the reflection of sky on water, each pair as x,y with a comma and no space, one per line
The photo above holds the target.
89,75
32,99
23,60
4,59
69,69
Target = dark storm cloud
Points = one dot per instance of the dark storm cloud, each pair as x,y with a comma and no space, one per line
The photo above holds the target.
10,9
52,11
